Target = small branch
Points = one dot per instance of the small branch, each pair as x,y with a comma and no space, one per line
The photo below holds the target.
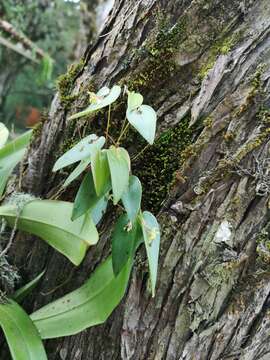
23,42
17,49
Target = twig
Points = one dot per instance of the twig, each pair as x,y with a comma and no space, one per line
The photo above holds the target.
11,238
23,40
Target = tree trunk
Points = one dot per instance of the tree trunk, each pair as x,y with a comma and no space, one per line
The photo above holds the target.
205,67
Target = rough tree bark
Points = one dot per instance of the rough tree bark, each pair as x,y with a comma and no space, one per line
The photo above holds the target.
204,63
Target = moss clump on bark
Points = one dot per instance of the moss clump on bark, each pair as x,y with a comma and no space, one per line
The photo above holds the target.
157,166
221,47
66,81
159,51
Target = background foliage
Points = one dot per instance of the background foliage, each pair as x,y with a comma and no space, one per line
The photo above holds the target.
51,25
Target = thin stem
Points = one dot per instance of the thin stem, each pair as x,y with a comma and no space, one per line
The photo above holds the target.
112,139
123,126
122,133
108,123
141,152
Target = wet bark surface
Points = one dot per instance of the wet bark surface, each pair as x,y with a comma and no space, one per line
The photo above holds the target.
213,291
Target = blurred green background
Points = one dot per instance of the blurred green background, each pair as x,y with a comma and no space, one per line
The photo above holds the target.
62,29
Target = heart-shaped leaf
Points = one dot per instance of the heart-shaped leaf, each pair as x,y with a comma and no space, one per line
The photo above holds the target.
86,199
4,133
21,293
135,100
119,169
80,151
123,242
87,306
103,98
51,221
132,197
22,336
151,234
10,155
144,120
100,171
77,171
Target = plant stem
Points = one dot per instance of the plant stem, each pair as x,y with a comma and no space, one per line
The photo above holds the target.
141,152
123,131
108,123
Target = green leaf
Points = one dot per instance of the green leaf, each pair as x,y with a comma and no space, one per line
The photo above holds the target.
10,155
77,171
86,198
87,306
99,210
22,336
80,151
132,197
51,221
21,293
151,234
119,169
135,100
123,242
4,133
100,171
103,98
144,120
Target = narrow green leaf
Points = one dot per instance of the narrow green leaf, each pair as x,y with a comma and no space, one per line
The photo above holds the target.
10,155
77,171
132,197
21,293
80,151
123,240
144,120
87,306
86,198
51,221
99,210
119,169
4,133
100,171
103,98
22,336
151,234
135,100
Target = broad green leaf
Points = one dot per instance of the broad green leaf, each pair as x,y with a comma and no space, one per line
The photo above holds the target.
80,151
119,169
10,155
21,293
132,197
86,198
135,100
151,234
77,171
100,171
123,242
22,336
103,98
87,306
51,220
4,133
144,120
